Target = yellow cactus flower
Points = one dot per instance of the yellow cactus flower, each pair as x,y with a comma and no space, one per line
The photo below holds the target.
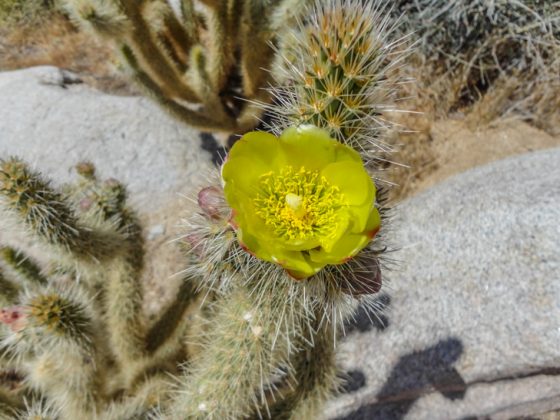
303,200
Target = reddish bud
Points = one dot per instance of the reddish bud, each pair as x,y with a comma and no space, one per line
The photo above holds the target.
85,204
111,183
194,243
14,317
211,201
86,169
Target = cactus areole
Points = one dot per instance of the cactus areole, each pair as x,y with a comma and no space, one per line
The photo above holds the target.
303,200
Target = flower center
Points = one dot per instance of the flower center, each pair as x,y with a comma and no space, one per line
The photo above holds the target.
298,204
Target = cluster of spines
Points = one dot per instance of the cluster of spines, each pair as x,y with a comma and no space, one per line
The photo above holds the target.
41,208
49,340
205,63
337,73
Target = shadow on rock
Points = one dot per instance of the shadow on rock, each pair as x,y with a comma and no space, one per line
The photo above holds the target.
371,316
414,375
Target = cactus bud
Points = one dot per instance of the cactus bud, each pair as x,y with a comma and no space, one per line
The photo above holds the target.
211,201
85,204
86,169
14,317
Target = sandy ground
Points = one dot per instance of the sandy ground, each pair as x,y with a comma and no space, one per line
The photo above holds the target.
457,148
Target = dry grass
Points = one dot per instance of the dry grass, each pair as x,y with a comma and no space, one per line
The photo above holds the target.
15,12
54,41
496,58
484,63
415,157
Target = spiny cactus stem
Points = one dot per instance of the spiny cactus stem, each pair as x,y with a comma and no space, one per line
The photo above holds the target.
8,292
201,80
173,316
47,215
155,60
243,349
180,112
182,40
189,20
220,57
58,329
22,265
123,296
144,403
316,375
8,406
212,3
257,53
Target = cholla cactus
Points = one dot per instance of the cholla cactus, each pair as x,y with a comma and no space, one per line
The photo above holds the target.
205,62
338,67
282,247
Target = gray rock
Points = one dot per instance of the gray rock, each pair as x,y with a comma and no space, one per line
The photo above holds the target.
53,121
472,326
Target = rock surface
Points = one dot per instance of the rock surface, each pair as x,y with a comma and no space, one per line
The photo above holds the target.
472,325
472,318
54,121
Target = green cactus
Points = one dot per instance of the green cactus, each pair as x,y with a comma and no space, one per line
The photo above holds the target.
8,291
27,270
338,72
241,338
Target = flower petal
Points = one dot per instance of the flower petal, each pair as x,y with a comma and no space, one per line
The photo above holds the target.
296,263
373,224
256,145
352,180
252,245
343,152
308,146
242,174
348,246
327,243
